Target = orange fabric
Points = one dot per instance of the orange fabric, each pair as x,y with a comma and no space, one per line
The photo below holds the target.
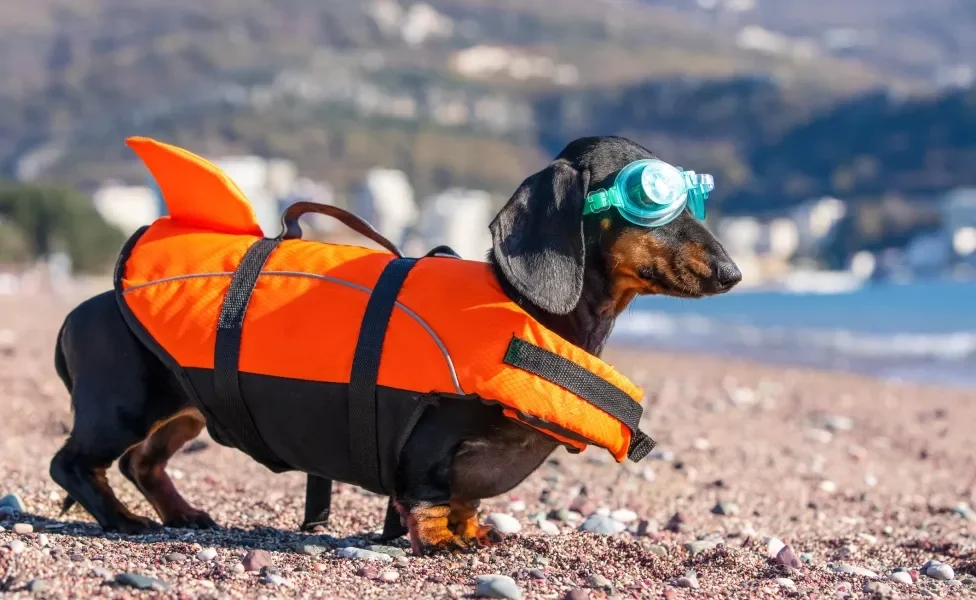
302,326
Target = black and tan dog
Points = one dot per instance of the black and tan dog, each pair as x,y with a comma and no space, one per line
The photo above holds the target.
572,273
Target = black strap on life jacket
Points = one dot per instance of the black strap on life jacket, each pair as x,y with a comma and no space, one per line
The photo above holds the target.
236,418
587,385
363,444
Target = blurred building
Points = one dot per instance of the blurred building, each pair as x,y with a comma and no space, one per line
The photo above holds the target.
128,207
385,198
263,182
456,217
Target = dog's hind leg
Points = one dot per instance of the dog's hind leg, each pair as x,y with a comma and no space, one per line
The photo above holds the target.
145,466
110,375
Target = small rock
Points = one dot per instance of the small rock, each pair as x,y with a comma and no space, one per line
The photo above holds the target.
274,579
540,560
599,582
677,523
773,546
16,546
657,550
207,554
516,506
548,527
827,486
102,573
537,574
877,588
623,515
505,524
389,576
602,525
577,594
13,502
497,586
787,557
388,550
43,540
726,508
37,586
254,560
402,561
238,568
903,577
806,558
141,582
852,570
942,572
687,582
954,583
965,511
311,549
77,557
786,583
174,557
565,515
321,567
698,546
360,554
368,572
23,528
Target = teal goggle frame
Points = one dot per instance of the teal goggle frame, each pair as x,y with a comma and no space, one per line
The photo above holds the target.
652,193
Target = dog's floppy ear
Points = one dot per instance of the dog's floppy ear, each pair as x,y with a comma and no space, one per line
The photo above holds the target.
537,237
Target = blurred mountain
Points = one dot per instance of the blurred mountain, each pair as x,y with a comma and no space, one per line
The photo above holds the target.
931,40
779,100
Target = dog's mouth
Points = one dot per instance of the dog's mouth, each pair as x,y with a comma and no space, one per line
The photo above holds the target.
664,285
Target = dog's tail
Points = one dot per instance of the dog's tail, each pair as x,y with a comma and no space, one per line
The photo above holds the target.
60,363
196,191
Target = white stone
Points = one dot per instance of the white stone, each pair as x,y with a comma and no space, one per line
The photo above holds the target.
207,554
503,523
548,527
786,583
903,577
623,515
942,572
773,546
516,506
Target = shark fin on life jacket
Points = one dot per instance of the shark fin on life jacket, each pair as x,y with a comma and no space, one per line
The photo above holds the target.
196,191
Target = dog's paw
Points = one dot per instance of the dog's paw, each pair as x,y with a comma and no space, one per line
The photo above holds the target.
196,519
476,535
133,525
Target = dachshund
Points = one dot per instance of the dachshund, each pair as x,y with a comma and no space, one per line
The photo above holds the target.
571,272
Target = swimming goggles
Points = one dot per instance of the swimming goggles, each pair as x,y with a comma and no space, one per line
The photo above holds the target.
652,193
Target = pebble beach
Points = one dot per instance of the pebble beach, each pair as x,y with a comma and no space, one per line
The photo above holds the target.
767,482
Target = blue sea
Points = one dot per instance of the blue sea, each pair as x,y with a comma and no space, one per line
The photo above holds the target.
921,331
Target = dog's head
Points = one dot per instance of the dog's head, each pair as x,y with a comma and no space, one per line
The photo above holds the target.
543,244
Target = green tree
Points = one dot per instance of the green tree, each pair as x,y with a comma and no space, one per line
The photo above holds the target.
52,219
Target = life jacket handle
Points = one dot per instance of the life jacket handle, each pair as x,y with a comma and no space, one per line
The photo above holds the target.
291,230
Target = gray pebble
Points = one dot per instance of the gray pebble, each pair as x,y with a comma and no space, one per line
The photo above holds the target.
942,572
102,573
903,577
388,550
787,557
359,553
497,586
687,582
602,524
698,546
76,557
13,502
786,583
174,557
577,595
657,550
274,579
954,583
599,582
141,582
726,508
402,561
852,570
36,586
537,574
311,549
806,558
17,546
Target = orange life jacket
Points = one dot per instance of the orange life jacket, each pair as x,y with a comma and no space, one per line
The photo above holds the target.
453,332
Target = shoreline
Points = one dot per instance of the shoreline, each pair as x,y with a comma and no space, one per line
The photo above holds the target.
859,476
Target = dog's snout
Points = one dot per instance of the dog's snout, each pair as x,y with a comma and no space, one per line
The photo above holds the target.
727,274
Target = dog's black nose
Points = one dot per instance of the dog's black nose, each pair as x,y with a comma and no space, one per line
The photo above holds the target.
727,274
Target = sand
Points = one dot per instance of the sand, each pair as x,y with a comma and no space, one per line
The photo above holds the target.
858,476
